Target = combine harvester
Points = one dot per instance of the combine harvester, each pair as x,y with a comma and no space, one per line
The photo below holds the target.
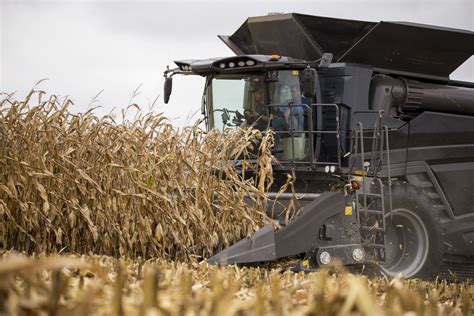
380,140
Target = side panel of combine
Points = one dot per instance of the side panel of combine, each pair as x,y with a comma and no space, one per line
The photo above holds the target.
457,181
446,143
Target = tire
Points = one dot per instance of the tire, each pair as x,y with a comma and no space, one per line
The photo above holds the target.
413,235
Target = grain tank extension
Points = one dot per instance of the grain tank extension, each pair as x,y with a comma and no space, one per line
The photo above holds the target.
380,140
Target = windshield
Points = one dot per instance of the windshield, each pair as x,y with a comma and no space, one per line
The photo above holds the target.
238,101
243,100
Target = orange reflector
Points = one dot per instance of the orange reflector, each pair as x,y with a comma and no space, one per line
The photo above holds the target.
355,185
275,57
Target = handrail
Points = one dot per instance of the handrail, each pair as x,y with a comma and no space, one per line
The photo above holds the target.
389,173
379,139
311,131
376,153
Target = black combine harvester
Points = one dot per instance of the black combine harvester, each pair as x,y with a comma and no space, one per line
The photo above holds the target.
380,140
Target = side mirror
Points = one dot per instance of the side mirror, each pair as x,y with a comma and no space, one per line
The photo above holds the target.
167,89
325,60
309,79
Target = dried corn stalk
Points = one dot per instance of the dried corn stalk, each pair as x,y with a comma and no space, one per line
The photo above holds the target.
77,183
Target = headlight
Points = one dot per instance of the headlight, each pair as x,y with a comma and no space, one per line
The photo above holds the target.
358,255
325,257
231,64
250,62
222,65
241,63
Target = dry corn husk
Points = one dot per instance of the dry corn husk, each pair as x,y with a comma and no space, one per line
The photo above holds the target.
78,183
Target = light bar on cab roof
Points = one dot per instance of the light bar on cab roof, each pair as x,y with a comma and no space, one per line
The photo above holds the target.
185,67
236,63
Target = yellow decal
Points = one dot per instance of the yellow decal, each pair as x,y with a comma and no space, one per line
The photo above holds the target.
306,264
348,210
296,72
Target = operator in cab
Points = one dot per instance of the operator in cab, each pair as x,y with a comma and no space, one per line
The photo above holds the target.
255,110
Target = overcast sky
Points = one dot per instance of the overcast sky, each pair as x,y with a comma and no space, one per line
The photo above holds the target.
84,47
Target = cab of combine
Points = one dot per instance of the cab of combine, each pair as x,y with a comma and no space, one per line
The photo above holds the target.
380,140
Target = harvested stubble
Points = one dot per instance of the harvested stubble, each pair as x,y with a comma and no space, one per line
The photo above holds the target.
106,286
76,183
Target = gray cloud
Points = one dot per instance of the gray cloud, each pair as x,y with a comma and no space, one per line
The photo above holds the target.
87,46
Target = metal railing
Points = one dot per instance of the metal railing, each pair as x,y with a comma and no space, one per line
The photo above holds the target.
310,112
373,238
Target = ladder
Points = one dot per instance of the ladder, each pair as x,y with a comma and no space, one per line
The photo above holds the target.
370,199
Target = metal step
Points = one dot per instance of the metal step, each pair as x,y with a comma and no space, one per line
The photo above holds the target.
371,228
433,195
373,195
377,212
439,207
380,246
425,184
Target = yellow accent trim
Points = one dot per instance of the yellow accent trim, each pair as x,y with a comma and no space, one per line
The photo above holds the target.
348,210
360,172
296,72
306,264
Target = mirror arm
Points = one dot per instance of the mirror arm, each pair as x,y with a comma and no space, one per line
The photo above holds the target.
168,73
173,72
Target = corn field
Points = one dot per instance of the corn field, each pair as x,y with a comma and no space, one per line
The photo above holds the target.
77,183
98,216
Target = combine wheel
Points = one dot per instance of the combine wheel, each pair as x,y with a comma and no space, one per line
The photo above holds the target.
413,236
